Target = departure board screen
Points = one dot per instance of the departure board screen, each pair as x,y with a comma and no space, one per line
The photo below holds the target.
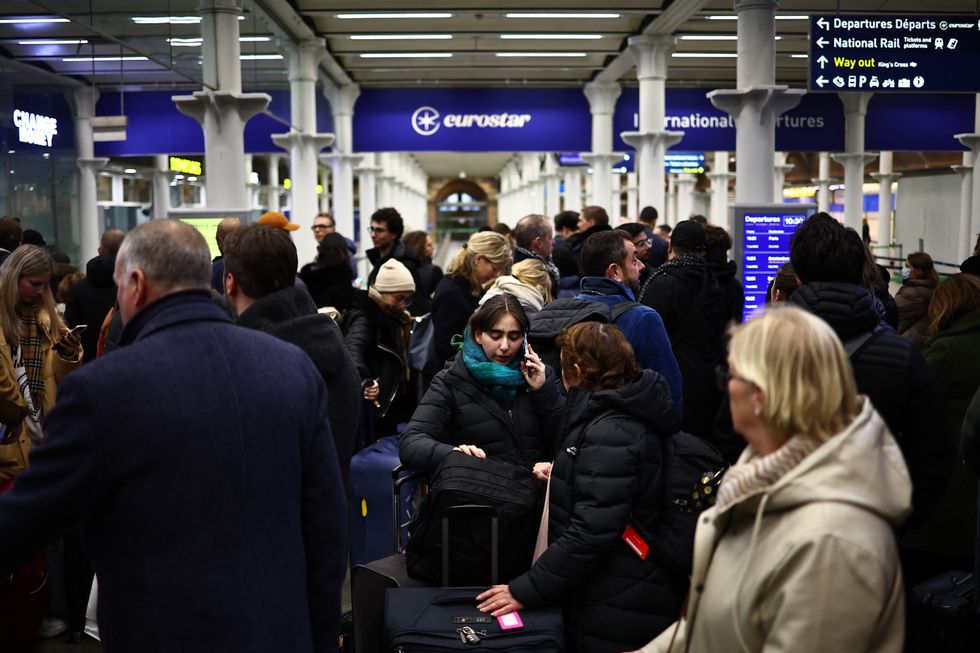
766,237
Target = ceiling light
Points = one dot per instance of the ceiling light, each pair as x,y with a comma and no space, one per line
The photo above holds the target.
399,14
400,37
254,39
800,56
260,57
542,54
130,171
559,15
406,55
777,17
782,17
27,21
166,20
709,37
53,42
91,59
193,42
704,55
549,37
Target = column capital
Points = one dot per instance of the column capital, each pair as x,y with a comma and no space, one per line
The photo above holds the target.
775,98
856,103
602,96
719,176
303,57
82,100
599,158
367,171
200,103
971,141
342,98
651,54
640,139
887,177
784,168
748,5
219,7
847,157
340,157
94,163
290,139
962,170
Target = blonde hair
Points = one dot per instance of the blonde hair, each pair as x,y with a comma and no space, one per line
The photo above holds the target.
491,246
25,261
534,273
800,366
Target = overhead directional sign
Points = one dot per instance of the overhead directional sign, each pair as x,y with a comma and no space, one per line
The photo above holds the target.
916,53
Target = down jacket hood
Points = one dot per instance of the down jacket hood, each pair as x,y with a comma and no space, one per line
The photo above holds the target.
861,466
648,400
848,309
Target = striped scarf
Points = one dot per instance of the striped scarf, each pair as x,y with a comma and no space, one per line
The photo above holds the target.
760,472
31,355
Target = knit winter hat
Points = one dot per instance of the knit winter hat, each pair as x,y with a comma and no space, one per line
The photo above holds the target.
394,277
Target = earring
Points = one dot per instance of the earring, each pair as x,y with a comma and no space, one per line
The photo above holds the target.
757,411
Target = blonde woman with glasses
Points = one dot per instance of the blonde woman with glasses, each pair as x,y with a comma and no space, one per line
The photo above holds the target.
798,553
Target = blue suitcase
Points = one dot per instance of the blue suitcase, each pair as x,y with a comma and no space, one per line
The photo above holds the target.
371,506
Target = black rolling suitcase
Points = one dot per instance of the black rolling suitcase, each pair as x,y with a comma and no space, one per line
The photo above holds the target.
431,620
369,581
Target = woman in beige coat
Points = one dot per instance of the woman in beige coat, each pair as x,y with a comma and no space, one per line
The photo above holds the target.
798,553
29,321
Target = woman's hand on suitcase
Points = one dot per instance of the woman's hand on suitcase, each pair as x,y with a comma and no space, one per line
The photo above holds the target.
533,369
471,450
542,471
498,601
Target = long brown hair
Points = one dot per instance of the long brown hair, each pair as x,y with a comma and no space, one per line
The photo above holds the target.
958,295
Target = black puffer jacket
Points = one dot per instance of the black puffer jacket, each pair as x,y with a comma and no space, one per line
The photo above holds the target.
607,473
891,371
89,301
452,306
329,285
725,272
289,314
457,410
577,241
695,313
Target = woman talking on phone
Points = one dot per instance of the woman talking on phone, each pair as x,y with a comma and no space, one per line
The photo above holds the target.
34,340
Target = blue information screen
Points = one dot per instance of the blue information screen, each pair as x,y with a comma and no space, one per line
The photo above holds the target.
765,247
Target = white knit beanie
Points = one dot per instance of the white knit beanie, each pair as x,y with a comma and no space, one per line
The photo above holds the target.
394,277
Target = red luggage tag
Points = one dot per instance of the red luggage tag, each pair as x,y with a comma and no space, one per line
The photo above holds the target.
510,621
635,542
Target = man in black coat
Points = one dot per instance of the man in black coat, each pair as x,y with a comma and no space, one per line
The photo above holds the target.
90,300
260,272
592,220
692,305
199,460
386,230
829,261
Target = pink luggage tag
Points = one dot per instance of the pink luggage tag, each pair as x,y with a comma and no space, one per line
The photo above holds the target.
510,621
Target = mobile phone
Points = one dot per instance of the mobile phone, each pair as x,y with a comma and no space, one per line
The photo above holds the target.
78,329
527,346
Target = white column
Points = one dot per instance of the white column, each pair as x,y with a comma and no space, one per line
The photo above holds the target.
222,112
972,141
573,189
965,248
757,101
651,55
685,195
719,177
602,98
885,177
552,186
671,211
367,176
272,182
823,182
780,170
82,102
854,158
324,197
342,160
632,197
302,141
161,186
530,181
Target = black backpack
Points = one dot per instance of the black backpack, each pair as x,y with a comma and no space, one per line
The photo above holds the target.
693,470
560,314
514,495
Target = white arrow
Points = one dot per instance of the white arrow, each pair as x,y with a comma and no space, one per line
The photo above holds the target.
821,82
822,22
822,61
822,41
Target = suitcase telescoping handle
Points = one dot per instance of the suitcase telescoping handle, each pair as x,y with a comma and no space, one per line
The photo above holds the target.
469,511
400,475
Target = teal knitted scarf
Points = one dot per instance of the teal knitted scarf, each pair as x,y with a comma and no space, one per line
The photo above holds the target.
503,381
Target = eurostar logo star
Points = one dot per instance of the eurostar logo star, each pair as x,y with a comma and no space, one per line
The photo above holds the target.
425,121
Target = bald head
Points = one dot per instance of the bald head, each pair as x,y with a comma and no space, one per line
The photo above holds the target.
111,240
225,227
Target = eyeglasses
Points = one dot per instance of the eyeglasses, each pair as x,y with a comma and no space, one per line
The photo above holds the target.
377,230
724,374
642,243
317,227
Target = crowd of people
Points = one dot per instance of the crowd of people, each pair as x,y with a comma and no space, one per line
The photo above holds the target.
184,427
